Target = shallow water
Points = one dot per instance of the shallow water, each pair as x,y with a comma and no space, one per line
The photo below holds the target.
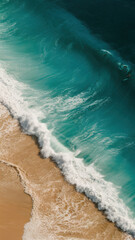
69,78
58,211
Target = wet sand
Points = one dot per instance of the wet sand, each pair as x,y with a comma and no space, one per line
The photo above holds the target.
15,206
58,211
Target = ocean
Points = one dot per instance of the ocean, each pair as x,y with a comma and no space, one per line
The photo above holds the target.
67,74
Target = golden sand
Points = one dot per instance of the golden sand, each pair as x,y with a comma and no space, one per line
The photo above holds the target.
59,212
15,206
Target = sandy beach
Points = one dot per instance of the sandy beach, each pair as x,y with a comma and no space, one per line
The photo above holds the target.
35,200
15,206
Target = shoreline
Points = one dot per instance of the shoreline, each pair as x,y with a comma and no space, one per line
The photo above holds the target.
76,218
15,205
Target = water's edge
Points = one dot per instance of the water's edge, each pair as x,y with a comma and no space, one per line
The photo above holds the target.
24,181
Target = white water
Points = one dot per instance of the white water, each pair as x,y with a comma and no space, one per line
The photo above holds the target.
85,178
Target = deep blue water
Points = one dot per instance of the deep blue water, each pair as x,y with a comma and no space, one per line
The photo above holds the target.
76,59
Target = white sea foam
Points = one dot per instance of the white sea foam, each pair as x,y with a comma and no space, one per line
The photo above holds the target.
86,179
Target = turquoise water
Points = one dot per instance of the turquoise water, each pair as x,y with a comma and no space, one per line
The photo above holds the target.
80,85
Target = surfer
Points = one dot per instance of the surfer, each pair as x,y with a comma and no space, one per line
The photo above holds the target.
126,71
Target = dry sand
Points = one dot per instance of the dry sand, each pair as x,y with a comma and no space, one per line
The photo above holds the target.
58,211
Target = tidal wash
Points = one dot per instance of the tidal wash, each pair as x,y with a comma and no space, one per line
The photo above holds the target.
67,74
